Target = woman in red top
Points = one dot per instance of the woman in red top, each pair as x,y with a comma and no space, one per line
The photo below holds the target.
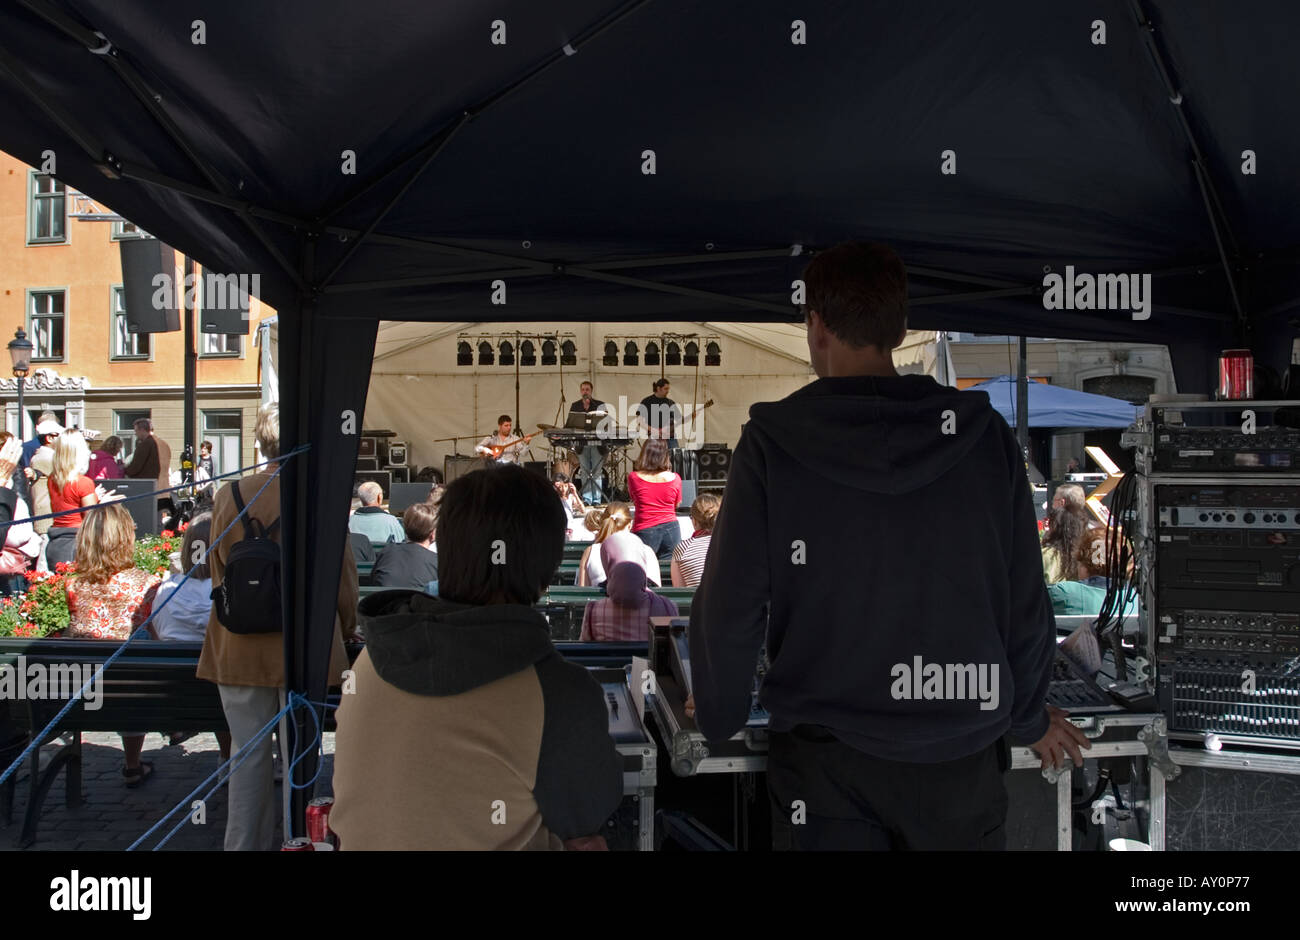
70,488
655,492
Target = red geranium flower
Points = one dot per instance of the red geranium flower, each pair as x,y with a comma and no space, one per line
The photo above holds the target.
167,533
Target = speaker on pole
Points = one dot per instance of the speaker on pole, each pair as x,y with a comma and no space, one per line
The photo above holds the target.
144,260
226,302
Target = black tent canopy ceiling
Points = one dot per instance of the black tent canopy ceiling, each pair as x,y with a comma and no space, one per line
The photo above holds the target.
526,162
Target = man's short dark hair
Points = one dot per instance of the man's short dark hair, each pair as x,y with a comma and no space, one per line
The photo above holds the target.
419,521
860,292
503,419
585,382
660,383
500,537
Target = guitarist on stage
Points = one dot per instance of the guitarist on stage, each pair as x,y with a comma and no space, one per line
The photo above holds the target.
501,447
660,415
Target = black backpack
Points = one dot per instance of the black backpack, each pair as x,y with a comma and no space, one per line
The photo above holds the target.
248,598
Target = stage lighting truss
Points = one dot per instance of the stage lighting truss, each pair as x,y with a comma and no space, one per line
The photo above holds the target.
502,349
666,349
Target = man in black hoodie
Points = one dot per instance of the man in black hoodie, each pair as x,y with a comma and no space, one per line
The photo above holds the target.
907,624
465,728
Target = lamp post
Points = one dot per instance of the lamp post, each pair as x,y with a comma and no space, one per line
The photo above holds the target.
20,351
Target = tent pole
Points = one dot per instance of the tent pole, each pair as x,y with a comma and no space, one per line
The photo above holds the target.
1022,401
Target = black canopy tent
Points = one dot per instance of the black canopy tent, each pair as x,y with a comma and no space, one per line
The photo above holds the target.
228,130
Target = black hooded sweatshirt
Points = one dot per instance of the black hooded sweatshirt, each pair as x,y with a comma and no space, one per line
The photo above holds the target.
878,520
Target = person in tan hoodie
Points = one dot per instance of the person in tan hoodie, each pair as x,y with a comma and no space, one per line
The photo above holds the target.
467,730
249,668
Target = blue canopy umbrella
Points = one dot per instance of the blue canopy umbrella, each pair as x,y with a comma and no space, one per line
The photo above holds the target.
1051,406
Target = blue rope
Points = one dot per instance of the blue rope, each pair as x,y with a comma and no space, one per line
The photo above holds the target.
237,758
141,631
295,700
156,493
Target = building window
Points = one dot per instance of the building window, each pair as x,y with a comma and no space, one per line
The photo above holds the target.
221,344
46,325
224,430
123,230
48,211
126,345
124,427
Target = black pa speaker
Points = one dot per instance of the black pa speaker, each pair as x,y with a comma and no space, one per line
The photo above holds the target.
144,512
688,494
149,272
226,302
382,477
457,465
407,494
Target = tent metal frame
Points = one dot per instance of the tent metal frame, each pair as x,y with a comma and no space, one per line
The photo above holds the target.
305,331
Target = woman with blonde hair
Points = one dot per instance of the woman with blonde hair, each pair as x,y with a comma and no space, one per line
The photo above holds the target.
615,521
614,518
70,488
109,598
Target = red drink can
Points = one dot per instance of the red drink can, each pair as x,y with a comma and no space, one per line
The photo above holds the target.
318,819
1236,375
297,845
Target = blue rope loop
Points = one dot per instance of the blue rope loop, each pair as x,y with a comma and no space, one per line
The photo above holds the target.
143,628
295,701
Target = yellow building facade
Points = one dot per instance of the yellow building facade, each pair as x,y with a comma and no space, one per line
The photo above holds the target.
61,282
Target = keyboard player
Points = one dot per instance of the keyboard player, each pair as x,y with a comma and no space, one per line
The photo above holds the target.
591,457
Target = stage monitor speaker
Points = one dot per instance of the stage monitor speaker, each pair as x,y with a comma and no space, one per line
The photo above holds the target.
144,512
458,465
688,494
407,494
143,260
537,466
226,302
382,477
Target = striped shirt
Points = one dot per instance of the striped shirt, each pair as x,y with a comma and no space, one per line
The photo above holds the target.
689,555
606,622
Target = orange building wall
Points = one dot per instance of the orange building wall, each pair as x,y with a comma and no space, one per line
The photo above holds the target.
88,266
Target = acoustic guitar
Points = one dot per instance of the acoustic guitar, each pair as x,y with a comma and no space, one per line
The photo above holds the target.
498,449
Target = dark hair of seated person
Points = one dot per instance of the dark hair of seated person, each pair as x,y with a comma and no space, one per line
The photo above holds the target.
500,537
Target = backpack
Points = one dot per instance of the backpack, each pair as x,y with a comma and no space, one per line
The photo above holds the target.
248,598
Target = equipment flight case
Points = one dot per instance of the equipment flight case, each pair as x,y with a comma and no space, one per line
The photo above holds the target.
632,825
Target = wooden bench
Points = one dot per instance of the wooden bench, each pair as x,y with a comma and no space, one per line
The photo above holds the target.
152,686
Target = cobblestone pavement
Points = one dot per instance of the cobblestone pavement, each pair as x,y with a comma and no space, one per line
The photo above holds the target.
112,816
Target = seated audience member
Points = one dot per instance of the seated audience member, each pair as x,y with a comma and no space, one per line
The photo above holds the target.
363,550
372,520
413,563
70,488
573,505
615,517
104,463
461,700
109,598
625,614
689,555
1065,529
185,616
622,546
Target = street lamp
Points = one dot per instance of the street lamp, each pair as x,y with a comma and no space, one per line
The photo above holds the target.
20,351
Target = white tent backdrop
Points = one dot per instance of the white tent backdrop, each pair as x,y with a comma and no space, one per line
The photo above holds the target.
418,391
